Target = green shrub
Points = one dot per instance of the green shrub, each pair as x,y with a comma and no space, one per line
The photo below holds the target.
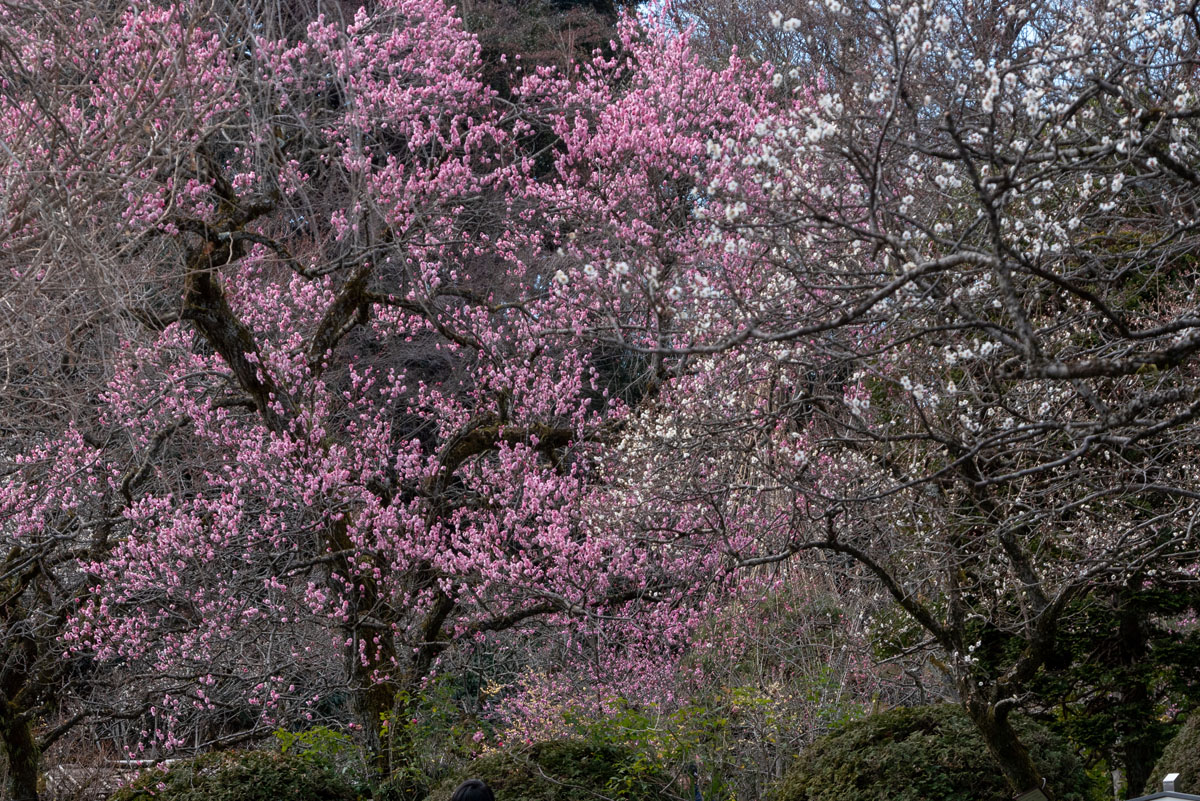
1182,756
240,776
405,784
325,749
566,770
930,753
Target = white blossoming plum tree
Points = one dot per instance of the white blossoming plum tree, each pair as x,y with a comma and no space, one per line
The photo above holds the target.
977,319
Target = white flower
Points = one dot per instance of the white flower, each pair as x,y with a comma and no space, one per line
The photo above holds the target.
561,278
792,25
776,18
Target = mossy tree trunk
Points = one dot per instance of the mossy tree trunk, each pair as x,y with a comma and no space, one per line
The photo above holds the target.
20,752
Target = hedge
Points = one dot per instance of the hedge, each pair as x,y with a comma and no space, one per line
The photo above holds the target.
1182,756
566,770
930,753
240,776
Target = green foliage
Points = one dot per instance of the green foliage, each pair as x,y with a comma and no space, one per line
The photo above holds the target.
930,753
690,734
672,738
567,770
321,747
241,776
405,784
1182,756
1118,668
727,737
428,735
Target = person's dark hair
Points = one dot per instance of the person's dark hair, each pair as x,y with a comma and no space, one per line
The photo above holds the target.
473,790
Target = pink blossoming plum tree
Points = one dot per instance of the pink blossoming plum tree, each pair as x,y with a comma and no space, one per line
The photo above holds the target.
361,417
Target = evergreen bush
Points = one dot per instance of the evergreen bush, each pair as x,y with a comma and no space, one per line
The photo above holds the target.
930,753
566,770
1182,756
240,776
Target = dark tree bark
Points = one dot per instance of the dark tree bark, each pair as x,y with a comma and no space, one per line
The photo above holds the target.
20,751
1006,747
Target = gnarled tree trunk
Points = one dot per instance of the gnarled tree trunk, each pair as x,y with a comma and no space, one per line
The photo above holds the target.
1005,746
21,754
